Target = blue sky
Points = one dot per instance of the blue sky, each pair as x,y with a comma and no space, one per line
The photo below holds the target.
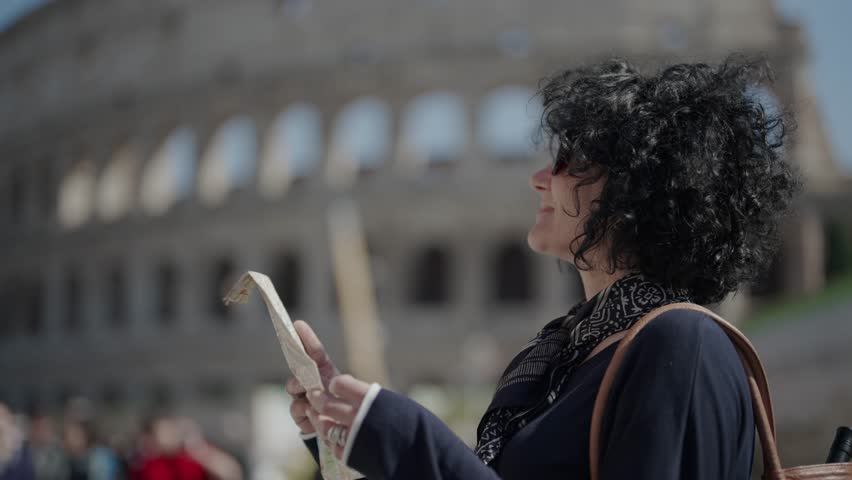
829,36
827,30
10,10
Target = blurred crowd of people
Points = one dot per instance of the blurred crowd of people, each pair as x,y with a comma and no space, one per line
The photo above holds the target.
166,447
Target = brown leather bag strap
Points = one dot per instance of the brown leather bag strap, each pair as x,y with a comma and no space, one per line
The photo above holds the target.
761,403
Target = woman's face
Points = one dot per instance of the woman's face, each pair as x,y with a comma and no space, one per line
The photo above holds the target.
561,213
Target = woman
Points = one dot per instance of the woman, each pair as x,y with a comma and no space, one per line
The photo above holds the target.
664,188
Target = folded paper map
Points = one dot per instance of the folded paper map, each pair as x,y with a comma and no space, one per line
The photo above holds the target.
301,364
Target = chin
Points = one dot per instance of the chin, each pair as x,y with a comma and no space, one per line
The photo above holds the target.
536,244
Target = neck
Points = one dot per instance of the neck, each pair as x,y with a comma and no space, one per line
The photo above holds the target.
594,280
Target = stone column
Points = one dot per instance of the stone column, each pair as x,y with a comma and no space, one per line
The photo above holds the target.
53,300
140,294
469,281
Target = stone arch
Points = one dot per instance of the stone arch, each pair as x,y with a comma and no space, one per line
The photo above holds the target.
361,139
431,280
434,128
73,306
229,161
169,176
116,183
166,279
116,295
507,119
223,274
77,194
292,148
513,277
287,276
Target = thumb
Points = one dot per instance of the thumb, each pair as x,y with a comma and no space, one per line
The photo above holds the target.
313,345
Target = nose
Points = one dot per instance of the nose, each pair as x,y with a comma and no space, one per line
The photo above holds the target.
540,180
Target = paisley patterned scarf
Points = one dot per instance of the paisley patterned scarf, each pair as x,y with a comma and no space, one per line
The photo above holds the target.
534,379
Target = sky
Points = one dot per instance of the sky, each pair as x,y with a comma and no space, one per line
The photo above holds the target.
10,10
827,31
829,37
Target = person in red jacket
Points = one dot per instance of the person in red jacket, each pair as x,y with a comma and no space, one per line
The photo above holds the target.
174,449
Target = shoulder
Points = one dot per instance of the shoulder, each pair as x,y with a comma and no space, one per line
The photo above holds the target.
682,380
686,333
683,350
678,353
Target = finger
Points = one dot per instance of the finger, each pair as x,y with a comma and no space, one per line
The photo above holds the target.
324,424
294,387
317,398
299,412
339,410
313,418
349,388
306,427
313,345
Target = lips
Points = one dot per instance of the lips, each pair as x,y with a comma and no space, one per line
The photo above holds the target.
545,209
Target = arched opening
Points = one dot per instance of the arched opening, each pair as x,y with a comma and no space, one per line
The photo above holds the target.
434,128
362,136
513,277
292,150
508,118
73,302
23,298
116,288
229,161
115,189
166,291
76,195
169,177
286,276
431,282
223,277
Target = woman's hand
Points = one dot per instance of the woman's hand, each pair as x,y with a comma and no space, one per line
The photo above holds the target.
332,414
327,371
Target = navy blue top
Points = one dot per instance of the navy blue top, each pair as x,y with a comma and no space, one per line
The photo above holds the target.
679,408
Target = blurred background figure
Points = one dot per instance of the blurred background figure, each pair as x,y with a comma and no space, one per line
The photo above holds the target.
174,449
49,459
15,460
88,459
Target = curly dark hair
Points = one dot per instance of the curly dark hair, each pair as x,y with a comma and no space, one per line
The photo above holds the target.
695,182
